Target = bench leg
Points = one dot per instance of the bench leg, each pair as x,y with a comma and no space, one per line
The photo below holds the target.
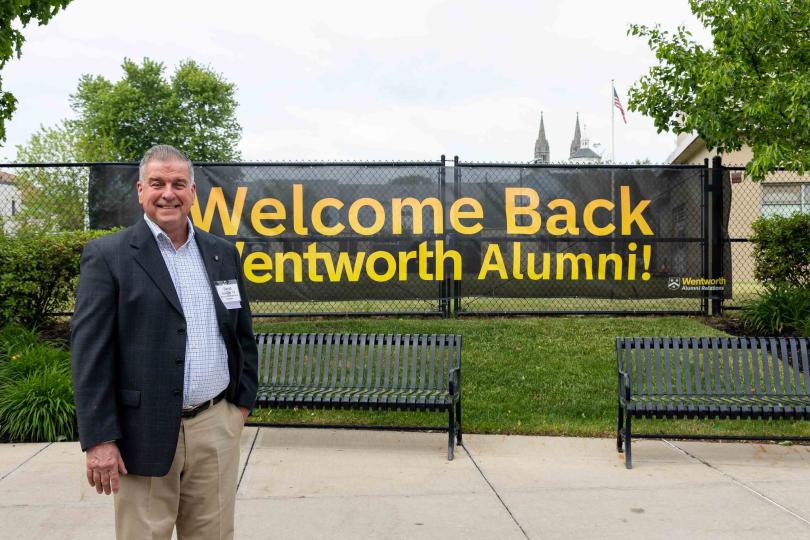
619,439
458,421
628,458
451,433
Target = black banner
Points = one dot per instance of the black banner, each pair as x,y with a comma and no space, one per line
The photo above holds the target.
378,231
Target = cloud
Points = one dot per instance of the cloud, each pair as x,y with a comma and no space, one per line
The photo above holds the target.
369,79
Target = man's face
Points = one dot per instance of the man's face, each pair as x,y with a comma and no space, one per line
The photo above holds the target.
166,194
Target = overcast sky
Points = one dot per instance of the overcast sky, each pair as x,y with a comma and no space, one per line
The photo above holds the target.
370,80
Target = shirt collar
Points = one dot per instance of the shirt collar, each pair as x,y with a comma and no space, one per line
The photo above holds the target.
157,232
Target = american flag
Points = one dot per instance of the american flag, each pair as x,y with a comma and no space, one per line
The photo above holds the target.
618,104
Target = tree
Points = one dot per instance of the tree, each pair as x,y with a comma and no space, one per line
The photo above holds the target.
752,87
53,198
194,111
11,41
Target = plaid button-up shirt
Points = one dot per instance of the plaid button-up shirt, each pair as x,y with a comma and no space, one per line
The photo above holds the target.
206,367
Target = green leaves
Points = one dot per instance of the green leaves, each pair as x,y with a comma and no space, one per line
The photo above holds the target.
195,111
11,40
39,406
36,393
752,87
38,274
780,308
782,249
782,263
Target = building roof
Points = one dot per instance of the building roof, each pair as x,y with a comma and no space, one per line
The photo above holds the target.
686,144
7,178
576,142
585,153
541,148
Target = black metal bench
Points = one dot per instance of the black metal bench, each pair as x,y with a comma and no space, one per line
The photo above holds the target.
739,377
412,372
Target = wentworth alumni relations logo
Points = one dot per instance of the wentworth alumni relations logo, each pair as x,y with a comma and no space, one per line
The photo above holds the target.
674,283
696,284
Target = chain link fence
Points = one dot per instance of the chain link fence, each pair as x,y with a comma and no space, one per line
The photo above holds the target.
54,197
781,193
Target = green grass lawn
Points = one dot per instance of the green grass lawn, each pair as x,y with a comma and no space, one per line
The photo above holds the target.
539,376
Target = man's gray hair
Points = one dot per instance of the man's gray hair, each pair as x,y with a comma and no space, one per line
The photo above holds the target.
164,152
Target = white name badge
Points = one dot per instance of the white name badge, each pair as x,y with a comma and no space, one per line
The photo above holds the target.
229,293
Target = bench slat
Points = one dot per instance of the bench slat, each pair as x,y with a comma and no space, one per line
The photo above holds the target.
728,384
767,383
746,367
774,365
409,380
683,360
736,373
790,349
395,369
443,365
431,383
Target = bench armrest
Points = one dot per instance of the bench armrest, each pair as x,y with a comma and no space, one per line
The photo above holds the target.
625,389
454,380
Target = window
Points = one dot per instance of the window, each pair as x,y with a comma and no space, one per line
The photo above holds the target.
785,199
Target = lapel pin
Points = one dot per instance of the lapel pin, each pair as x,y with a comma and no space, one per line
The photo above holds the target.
216,257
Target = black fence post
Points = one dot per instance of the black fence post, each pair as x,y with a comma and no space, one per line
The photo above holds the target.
717,233
444,291
456,285
706,244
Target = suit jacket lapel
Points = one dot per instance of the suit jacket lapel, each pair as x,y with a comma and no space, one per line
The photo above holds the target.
147,255
212,260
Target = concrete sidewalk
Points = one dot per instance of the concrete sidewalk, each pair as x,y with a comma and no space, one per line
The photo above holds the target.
315,483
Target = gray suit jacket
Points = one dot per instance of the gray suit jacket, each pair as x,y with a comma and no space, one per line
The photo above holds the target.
129,339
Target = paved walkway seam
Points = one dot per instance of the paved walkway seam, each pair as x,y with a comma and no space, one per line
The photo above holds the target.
741,483
247,459
495,491
26,461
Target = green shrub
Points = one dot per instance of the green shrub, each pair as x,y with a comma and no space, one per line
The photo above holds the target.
34,358
38,274
14,339
782,249
780,308
39,406
36,393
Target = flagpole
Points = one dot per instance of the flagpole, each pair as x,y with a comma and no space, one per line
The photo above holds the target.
612,170
612,123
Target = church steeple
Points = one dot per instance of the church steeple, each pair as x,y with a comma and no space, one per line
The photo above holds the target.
542,153
576,143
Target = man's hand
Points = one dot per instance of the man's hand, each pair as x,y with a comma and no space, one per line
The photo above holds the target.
104,463
245,413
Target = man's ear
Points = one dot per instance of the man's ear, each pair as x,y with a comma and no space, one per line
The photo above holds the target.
139,189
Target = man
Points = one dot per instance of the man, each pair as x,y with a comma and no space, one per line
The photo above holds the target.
164,363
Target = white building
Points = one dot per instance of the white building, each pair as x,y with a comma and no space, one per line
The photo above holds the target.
9,200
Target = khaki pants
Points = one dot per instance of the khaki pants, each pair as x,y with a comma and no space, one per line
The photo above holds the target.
199,491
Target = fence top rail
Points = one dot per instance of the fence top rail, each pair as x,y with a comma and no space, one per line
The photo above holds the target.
476,164
240,164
